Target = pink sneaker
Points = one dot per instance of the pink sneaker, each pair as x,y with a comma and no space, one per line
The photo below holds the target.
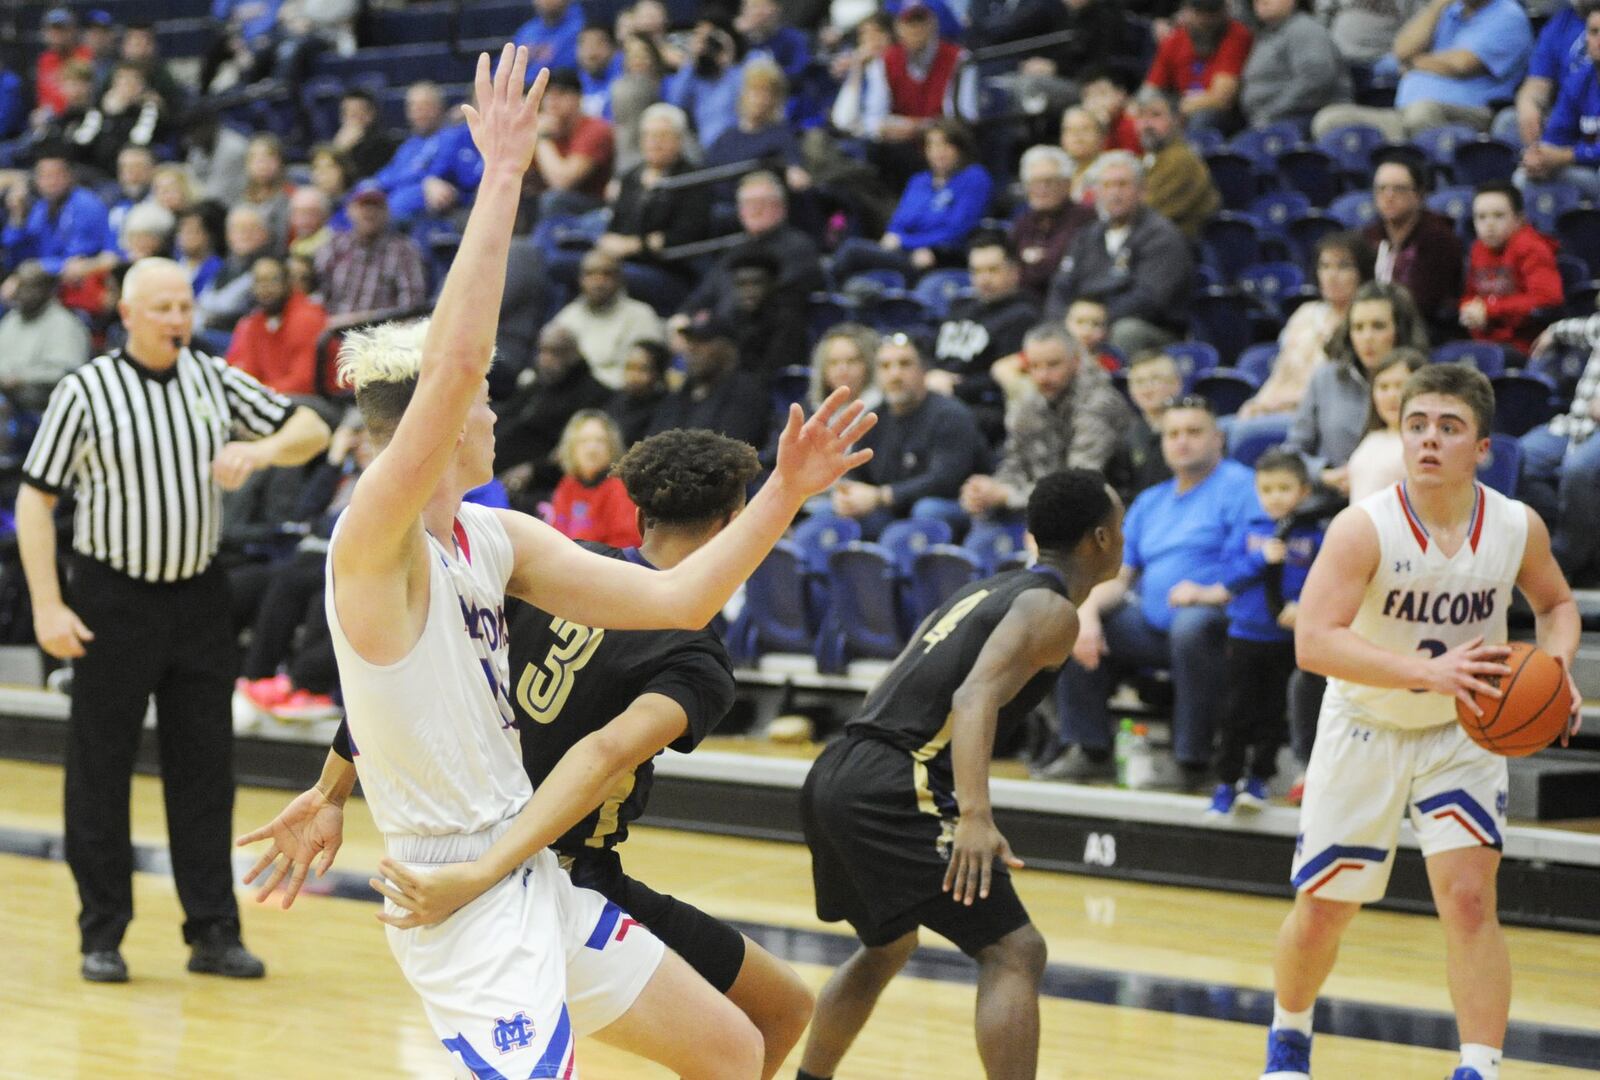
303,705
268,693
1297,792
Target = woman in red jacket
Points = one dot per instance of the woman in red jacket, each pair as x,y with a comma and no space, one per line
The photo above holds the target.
589,503
1511,273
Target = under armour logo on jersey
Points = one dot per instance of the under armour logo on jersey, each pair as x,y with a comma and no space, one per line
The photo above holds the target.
1402,566
1501,797
514,1034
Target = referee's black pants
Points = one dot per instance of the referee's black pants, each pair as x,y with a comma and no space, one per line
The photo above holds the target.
174,642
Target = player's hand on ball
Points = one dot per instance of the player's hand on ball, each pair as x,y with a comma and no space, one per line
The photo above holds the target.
309,830
976,846
814,453
1458,673
427,897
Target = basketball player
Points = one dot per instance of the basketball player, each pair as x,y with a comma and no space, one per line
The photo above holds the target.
897,811
416,586
1405,612
594,707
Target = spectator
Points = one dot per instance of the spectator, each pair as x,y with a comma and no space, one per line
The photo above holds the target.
1569,148
1097,28
1363,30
1200,62
599,66
1133,260
1559,52
59,28
312,221
552,34
981,330
1511,271
1415,247
401,179
1083,139
1561,460
572,164
925,445
1106,93
715,394
707,88
196,243
63,225
1269,556
136,167
40,340
844,356
873,36
1041,233
1177,183
128,114
763,215
1174,542
762,24
1344,264
231,292
276,344
606,322
361,135
100,38
1069,417
267,187
449,182
171,187
771,323
647,19
1332,416
1154,383
1087,322
761,133
371,268
215,155
646,222
1459,57
589,503
632,94
244,43
146,230
644,387
532,419
1378,461
939,210
1294,68
141,47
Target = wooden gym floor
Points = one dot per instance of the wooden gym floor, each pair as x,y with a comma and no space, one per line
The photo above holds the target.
1144,978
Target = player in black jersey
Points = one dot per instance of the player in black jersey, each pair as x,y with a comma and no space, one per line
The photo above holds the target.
594,708
897,811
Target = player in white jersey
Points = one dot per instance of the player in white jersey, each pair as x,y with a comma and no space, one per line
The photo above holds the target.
415,587
1405,611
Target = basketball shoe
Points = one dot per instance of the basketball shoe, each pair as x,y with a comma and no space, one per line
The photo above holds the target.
1288,1056
1464,1073
1252,794
1222,800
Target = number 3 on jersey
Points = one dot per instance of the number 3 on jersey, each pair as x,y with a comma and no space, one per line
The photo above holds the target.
1434,649
542,691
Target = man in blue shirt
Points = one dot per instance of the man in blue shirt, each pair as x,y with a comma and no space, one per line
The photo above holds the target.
1153,614
403,177
63,228
1569,148
599,65
1455,58
761,22
551,35
1558,53
707,87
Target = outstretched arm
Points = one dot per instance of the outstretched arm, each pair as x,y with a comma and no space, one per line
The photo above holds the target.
310,829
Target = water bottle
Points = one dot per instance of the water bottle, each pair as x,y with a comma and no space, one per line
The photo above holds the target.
1124,746
1141,759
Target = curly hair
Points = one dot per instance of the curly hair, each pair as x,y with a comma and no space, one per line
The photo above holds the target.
685,477
1065,506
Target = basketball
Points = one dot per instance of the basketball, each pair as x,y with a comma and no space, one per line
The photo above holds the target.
1534,710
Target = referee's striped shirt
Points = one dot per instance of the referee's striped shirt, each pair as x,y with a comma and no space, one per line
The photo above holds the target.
135,446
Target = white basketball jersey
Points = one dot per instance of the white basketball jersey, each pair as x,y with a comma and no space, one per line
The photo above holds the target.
1419,600
433,733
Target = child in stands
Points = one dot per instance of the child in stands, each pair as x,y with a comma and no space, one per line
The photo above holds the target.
1511,272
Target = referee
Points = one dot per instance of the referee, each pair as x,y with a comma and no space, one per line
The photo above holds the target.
146,437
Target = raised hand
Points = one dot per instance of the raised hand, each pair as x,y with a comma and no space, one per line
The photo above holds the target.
504,121
310,828
814,453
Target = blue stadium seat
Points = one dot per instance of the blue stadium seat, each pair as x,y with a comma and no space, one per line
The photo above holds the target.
1503,467
792,385
1262,435
1229,242
1351,148
1223,318
1354,209
1523,401
1439,144
1264,145
1561,367
773,618
864,620
1235,177
895,310
1578,230
1306,232
1276,209
936,575
1272,282
905,540
1226,389
824,311
1547,201
882,278
1255,363
938,288
1312,172
1454,203
817,537
400,64
1195,358
1486,356
1483,159
1574,272
991,541
501,18
418,24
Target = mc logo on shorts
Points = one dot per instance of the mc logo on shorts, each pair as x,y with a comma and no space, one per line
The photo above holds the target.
514,1034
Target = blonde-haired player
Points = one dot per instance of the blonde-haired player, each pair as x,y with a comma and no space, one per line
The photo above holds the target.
416,582
1405,612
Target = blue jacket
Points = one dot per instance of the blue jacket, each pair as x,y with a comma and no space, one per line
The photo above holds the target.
410,162
597,88
551,46
788,48
457,160
1559,49
13,104
712,104
81,228
930,217
1575,118
1250,615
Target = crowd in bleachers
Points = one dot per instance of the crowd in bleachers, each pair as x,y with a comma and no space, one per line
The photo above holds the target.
1156,238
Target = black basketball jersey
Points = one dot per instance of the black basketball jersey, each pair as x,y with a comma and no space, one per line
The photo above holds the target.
568,681
910,706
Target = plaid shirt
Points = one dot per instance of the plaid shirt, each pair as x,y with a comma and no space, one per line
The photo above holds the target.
1578,423
378,275
1079,430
